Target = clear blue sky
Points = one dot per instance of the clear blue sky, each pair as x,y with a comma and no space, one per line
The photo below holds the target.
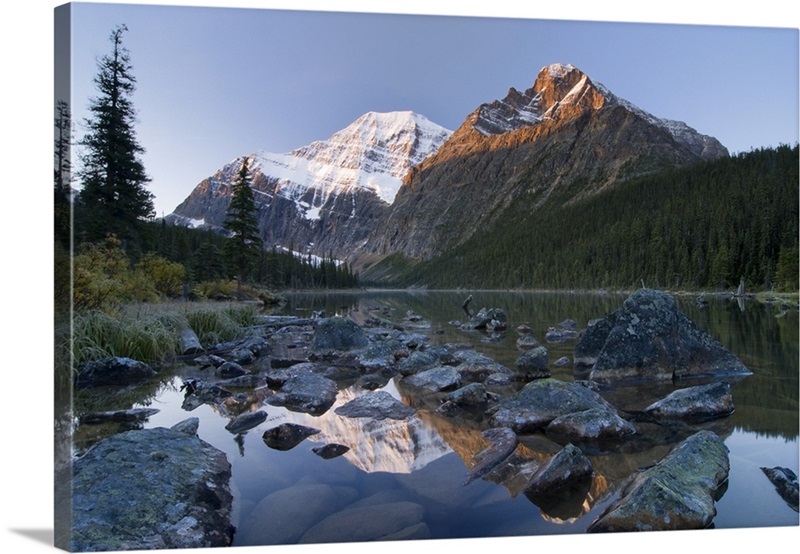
216,83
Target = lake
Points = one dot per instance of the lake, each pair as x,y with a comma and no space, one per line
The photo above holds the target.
423,461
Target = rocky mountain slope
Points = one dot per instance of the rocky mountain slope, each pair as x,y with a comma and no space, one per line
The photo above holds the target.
326,197
565,138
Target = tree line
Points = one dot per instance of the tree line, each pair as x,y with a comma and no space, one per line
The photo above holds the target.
106,236
705,227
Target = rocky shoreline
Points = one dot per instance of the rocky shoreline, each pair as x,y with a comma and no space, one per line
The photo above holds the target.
298,364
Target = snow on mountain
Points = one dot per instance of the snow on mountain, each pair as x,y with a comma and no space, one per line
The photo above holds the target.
374,153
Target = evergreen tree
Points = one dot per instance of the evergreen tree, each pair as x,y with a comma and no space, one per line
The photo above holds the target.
62,176
240,221
114,199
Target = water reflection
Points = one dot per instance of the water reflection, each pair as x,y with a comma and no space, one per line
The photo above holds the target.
425,459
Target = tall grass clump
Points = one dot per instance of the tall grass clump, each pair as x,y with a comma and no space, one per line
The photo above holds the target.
215,325
149,339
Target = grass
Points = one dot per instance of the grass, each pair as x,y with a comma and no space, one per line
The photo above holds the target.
151,332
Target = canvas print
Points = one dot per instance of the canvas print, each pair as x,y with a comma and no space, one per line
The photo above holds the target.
334,277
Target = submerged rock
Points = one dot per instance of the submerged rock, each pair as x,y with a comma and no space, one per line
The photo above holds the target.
698,403
371,522
650,338
283,516
151,489
676,493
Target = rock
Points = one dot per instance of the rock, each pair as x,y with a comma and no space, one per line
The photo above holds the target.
535,362
208,360
376,405
560,335
247,381
287,435
484,317
435,379
306,392
417,361
503,444
374,522
650,339
699,403
676,493
117,371
188,426
338,333
151,489
245,422
229,370
526,342
593,340
594,424
569,324
283,516
242,356
523,329
785,482
471,397
476,367
561,362
329,451
566,468
119,416
190,344
539,402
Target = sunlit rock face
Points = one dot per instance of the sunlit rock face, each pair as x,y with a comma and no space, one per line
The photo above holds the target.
564,138
325,197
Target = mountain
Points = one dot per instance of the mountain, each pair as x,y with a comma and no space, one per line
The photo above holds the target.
565,138
324,198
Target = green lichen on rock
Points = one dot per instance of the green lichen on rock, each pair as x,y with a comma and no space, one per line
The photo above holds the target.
676,493
151,489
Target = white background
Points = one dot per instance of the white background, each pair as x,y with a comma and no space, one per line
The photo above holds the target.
26,359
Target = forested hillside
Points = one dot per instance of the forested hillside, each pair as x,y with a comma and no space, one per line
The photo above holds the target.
702,227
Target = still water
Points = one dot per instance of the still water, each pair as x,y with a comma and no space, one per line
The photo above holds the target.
416,468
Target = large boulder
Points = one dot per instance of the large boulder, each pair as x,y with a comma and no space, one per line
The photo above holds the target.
338,334
539,402
649,338
119,371
151,489
676,493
